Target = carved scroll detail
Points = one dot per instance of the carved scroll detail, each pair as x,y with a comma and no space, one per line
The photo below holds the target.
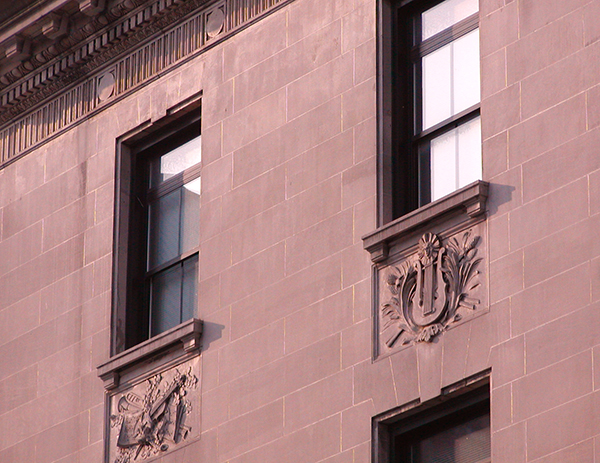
431,290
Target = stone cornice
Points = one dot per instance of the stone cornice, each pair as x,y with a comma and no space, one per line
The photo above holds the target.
27,17
82,43
89,54
82,85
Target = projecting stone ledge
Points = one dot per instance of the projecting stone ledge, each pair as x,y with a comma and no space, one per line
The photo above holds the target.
186,335
469,201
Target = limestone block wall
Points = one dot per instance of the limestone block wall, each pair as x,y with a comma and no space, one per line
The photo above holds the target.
289,185
539,121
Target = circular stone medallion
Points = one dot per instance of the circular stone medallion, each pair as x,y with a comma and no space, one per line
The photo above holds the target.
214,22
106,86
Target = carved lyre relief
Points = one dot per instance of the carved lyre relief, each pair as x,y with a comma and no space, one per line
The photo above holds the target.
151,418
429,291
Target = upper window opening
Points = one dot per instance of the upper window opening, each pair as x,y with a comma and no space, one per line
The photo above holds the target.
435,88
463,437
158,242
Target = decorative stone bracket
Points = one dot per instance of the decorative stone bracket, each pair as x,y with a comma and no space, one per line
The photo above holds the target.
187,335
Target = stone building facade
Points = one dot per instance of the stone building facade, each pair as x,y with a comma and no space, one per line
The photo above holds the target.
304,231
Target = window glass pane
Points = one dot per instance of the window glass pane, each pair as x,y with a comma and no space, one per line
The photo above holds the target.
176,161
468,442
437,89
451,79
466,71
190,218
166,299
446,14
455,158
469,152
164,229
443,164
189,297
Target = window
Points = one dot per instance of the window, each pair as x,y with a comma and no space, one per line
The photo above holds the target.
159,185
462,437
455,431
434,94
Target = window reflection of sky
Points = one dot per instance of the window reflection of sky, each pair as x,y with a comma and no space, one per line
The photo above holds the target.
193,186
181,158
446,14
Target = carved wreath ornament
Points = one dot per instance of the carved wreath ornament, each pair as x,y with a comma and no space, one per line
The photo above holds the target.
149,424
428,291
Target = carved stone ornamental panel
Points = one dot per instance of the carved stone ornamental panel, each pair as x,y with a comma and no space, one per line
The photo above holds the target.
155,415
430,287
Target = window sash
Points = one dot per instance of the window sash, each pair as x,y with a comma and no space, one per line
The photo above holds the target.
154,197
171,278
422,138
175,306
458,412
419,51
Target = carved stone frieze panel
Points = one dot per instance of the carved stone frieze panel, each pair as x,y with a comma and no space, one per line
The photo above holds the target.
78,85
154,415
428,288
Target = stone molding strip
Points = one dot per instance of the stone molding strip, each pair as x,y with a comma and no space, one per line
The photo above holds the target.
153,49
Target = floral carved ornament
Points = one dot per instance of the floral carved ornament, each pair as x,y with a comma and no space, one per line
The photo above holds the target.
429,291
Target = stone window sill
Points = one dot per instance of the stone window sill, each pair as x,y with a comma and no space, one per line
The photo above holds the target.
469,200
187,335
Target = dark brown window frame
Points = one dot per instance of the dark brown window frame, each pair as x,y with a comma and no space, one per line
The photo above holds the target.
399,101
131,311
470,397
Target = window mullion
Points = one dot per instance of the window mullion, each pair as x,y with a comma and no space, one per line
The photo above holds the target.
181,224
451,122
